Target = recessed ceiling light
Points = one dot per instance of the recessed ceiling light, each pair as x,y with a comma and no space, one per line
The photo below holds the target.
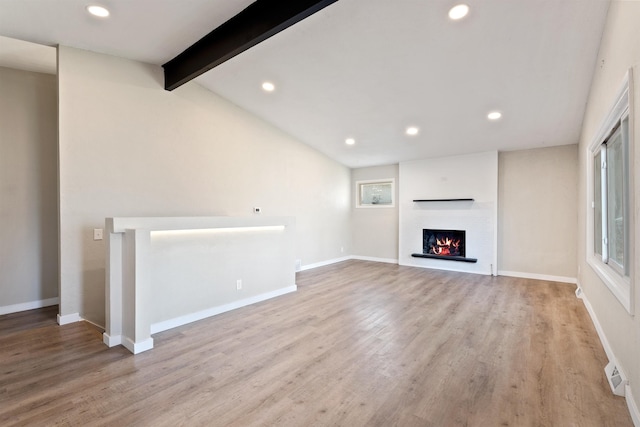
494,115
349,141
268,86
412,130
458,12
98,11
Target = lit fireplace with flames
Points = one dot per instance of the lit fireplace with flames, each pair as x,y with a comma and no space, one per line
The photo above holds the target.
445,243
446,246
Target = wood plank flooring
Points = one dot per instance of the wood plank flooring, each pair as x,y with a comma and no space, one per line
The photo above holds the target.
359,344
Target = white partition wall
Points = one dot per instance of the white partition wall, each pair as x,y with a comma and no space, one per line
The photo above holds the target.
166,272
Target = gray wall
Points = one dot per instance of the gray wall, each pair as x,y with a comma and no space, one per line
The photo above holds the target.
537,211
374,230
130,148
28,188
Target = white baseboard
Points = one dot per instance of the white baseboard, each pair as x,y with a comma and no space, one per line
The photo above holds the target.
111,341
323,263
139,347
633,408
631,404
347,258
68,318
374,259
31,305
193,317
596,324
562,279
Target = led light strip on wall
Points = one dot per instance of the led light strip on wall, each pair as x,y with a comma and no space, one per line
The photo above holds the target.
160,233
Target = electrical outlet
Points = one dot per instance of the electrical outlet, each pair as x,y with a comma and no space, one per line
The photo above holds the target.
97,234
257,210
298,264
238,284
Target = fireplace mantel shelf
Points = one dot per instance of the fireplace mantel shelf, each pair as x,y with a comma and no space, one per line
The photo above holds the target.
443,200
445,258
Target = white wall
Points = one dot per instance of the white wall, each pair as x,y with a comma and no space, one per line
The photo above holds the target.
619,51
130,148
28,190
375,230
471,176
537,212
186,259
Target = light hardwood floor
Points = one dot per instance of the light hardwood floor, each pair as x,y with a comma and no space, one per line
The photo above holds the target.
359,344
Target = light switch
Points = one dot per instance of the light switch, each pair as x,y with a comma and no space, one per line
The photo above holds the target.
97,234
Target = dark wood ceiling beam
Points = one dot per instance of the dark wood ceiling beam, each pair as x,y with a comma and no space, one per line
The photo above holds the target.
261,20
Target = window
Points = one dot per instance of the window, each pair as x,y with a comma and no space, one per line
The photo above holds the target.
611,199
375,193
610,254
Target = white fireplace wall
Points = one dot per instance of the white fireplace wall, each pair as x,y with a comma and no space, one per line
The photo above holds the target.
470,176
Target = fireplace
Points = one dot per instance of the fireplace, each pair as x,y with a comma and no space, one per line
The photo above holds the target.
444,244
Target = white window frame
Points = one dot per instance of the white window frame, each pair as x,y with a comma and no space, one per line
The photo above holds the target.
620,283
358,192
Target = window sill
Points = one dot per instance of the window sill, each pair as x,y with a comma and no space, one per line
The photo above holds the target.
374,206
618,285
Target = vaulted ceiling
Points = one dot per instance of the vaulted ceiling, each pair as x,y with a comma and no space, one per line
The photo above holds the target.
368,69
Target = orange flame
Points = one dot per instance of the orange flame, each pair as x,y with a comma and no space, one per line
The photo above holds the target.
446,246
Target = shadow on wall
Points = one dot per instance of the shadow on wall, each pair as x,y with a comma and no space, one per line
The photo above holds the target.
47,178
92,300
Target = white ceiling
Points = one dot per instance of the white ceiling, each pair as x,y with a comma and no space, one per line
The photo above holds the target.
367,69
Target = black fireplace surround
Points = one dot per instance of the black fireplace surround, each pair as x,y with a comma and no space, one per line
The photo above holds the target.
447,245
